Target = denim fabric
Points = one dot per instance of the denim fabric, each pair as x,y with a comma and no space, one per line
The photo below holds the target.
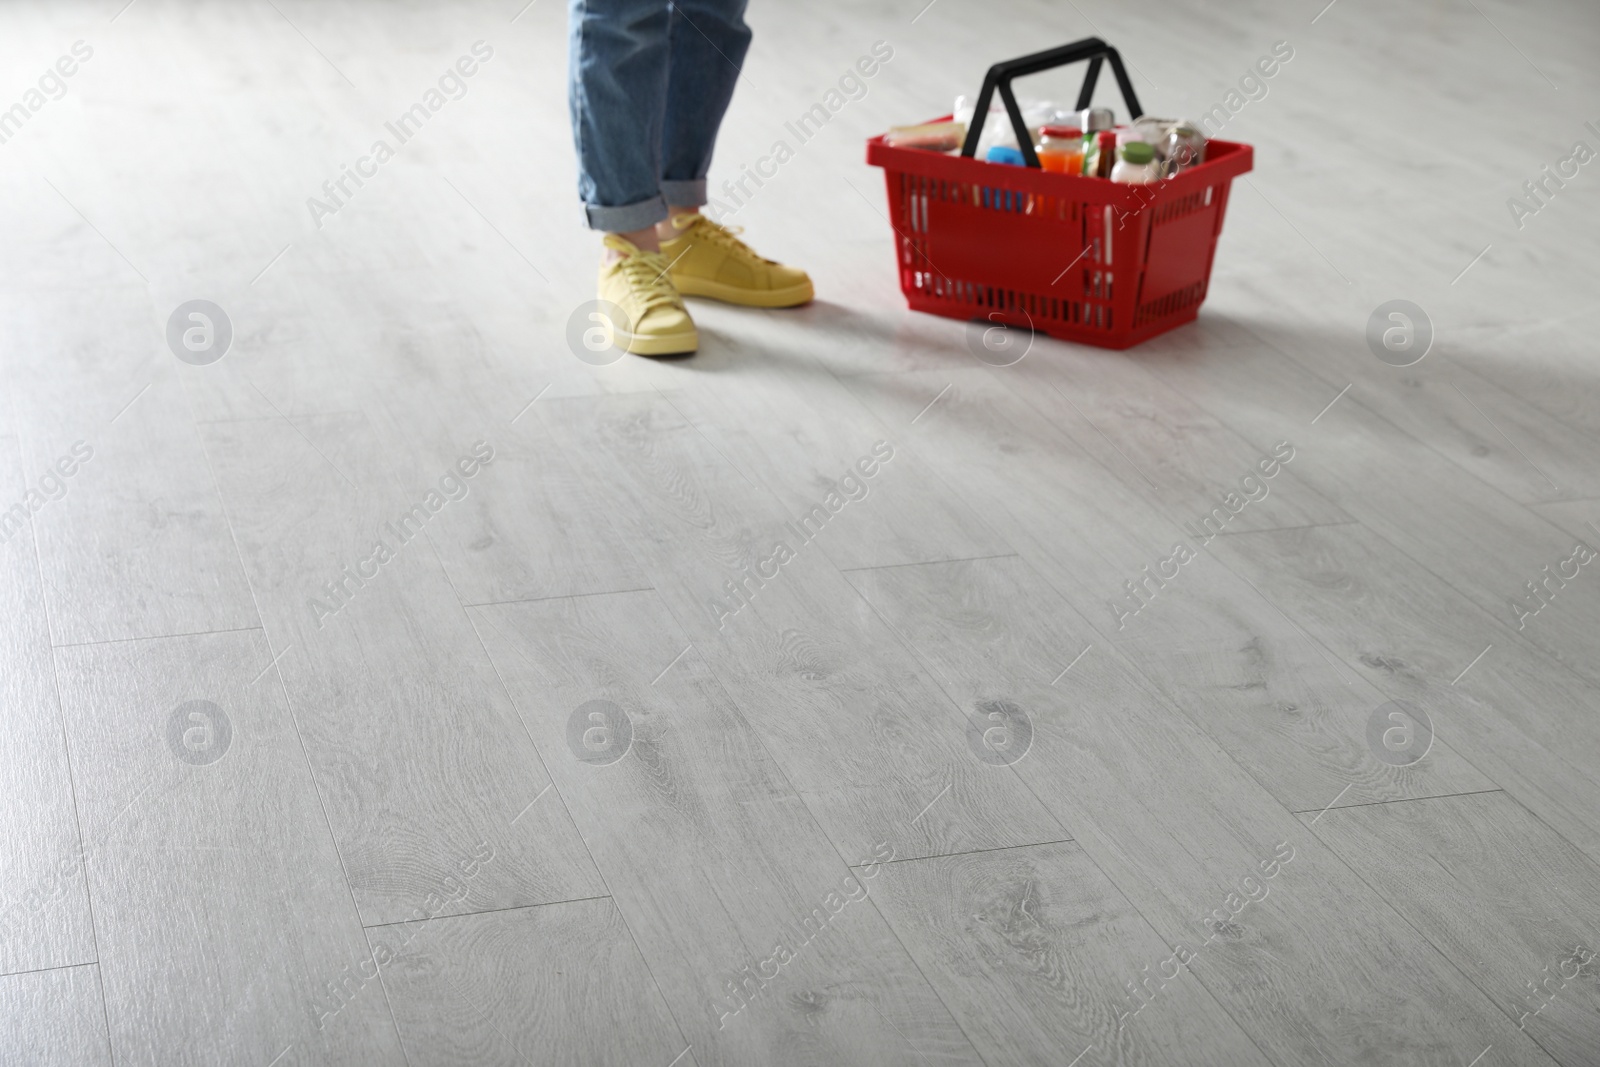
649,84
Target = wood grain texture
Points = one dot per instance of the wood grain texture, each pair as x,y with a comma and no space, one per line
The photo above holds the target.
1482,543
1048,498
44,909
562,983
1273,695
1560,380
53,1018
1480,425
859,730
220,908
278,365
1175,826
1133,422
536,528
413,740
712,856
1270,695
1518,715
380,342
137,545
1034,945
1498,892
1578,517
800,435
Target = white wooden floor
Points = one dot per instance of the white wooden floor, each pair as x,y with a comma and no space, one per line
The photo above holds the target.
531,784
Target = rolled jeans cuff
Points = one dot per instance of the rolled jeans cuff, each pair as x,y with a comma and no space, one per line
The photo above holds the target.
629,217
686,193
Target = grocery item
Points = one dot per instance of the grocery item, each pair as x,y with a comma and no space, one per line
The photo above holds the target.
997,129
1100,153
1152,131
1086,142
1184,146
932,136
1095,119
1179,143
1060,149
1136,164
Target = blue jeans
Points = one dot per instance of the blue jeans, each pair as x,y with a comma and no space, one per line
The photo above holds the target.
650,82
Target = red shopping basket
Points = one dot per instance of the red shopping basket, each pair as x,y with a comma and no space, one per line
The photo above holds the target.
1082,259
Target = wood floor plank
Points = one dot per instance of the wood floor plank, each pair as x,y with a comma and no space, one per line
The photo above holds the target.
1526,721
1177,827
137,546
1267,693
1126,417
710,852
796,431
219,904
1276,699
1484,395
859,730
53,1018
1484,544
1474,422
1034,946
1579,518
1559,378
416,769
283,361
44,909
1041,492
560,983
1501,894
536,527
53,251
376,344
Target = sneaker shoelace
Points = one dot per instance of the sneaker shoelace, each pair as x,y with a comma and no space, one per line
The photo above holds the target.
646,274
702,228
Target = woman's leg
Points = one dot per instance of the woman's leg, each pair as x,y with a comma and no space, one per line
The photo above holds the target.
618,61
709,40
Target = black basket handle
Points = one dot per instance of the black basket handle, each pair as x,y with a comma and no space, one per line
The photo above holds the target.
999,77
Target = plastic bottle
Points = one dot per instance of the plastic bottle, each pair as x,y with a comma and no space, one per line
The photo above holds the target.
1004,153
1136,165
1060,149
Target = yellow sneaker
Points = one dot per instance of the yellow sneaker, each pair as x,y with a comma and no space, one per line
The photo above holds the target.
708,259
639,283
